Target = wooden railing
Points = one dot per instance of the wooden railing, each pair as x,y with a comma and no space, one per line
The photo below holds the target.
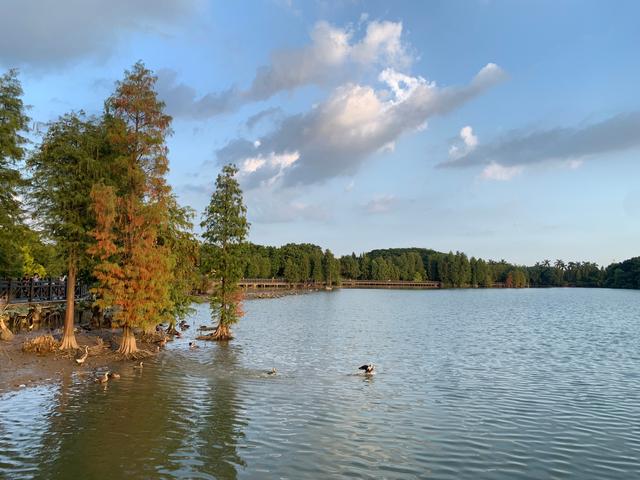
14,290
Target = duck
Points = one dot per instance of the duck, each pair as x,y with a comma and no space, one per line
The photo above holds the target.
80,359
139,366
273,371
178,335
103,378
193,346
369,369
114,375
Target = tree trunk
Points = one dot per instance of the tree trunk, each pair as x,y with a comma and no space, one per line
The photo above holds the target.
128,345
68,337
221,333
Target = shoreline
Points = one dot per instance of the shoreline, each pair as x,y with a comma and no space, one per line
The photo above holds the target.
26,369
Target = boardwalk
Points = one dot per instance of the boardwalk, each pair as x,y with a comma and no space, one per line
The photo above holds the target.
281,283
14,291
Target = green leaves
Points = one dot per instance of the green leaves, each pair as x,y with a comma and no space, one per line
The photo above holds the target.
225,231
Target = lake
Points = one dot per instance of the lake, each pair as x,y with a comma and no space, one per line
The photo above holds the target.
471,384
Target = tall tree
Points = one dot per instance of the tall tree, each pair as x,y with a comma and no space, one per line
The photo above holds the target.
225,231
135,266
65,167
13,123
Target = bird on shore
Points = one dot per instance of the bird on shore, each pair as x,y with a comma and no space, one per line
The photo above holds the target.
80,359
273,371
139,366
103,378
162,342
369,369
114,375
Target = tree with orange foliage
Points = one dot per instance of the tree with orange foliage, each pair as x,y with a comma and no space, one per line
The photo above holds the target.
134,269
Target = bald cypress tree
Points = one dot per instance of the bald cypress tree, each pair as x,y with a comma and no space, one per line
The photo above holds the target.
135,266
13,124
225,232
64,168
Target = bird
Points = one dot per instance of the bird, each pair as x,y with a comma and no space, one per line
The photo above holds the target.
193,346
114,375
178,335
162,342
139,366
82,357
273,371
369,369
103,378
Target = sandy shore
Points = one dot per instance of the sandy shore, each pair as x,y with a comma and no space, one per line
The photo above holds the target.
20,369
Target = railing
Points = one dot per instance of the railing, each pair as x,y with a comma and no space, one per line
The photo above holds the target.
14,290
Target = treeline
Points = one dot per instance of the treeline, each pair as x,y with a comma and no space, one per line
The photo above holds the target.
309,263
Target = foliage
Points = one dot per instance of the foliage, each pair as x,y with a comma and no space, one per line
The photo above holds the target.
135,265
225,231
13,124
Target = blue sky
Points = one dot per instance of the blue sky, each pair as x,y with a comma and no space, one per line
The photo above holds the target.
501,129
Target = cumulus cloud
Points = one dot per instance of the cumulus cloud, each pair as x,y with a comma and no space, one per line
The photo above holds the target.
332,53
337,136
495,171
52,34
466,142
568,145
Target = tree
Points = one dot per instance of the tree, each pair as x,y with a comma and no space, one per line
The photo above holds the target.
225,229
135,265
13,123
64,169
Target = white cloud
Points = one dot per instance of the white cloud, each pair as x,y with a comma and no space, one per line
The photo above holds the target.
338,135
466,143
333,55
495,171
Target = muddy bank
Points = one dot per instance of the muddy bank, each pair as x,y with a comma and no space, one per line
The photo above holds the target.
19,369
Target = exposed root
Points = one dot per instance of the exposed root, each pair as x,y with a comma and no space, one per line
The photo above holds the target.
140,354
69,341
222,333
128,346
5,334
41,345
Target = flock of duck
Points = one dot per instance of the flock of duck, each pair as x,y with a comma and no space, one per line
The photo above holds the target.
368,369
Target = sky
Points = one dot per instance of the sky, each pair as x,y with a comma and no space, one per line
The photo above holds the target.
503,129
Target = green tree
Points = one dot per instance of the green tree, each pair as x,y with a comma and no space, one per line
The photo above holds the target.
225,229
13,124
64,168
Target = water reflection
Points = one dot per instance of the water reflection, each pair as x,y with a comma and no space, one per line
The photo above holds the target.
526,384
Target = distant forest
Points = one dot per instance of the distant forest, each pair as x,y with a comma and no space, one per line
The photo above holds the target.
308,263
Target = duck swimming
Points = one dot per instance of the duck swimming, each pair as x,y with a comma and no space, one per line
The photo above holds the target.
114,375
103,378
81,358
193,346
273,371
139,366
369,369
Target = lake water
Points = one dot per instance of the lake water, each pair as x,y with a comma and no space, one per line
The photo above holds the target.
471,384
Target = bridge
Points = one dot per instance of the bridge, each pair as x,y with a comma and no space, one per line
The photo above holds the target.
281,283
48,290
